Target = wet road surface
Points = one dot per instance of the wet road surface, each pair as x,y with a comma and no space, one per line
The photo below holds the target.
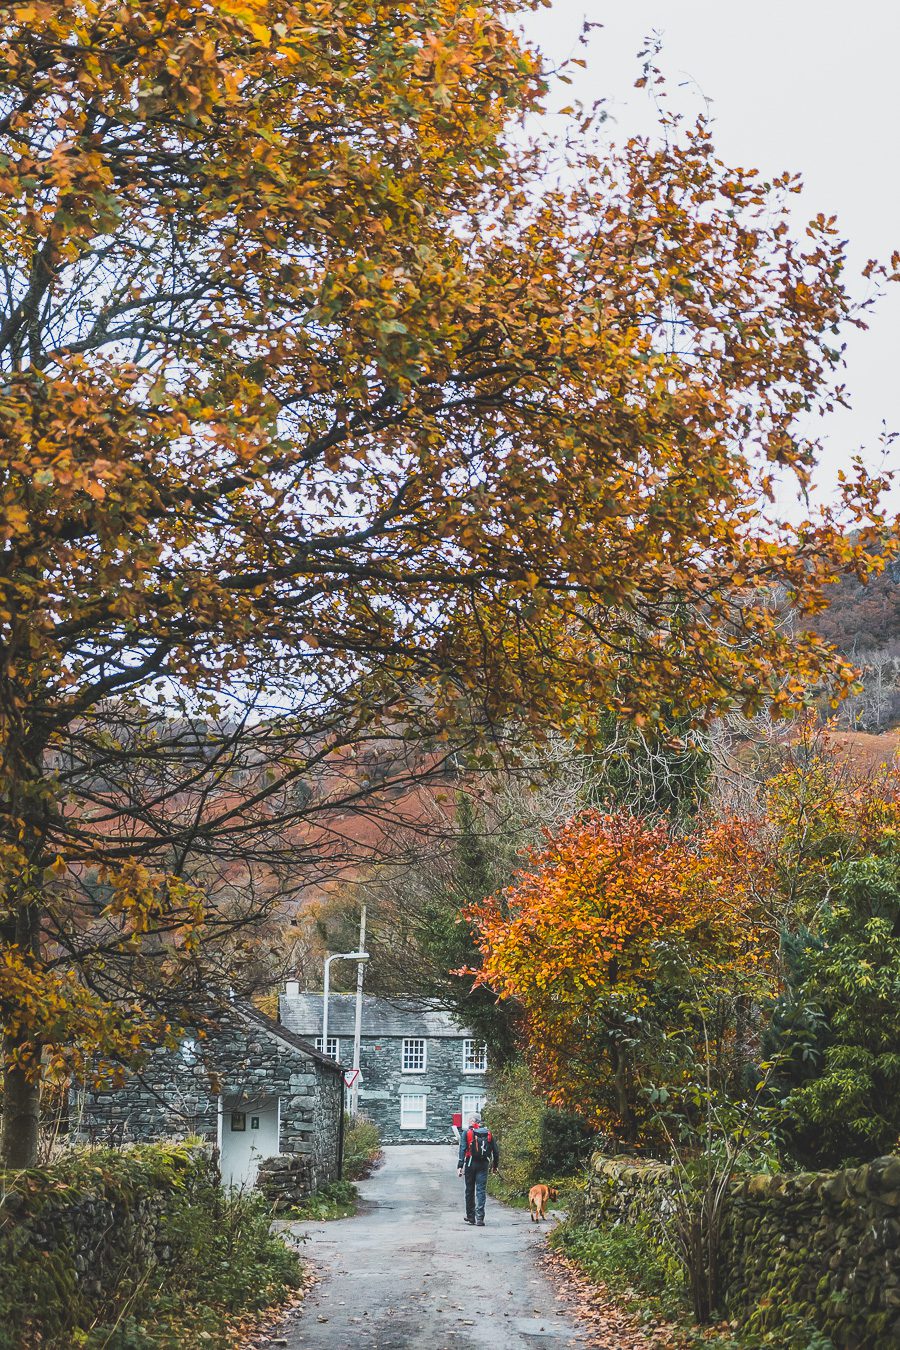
406,1271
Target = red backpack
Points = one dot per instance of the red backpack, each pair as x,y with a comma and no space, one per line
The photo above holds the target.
478,1145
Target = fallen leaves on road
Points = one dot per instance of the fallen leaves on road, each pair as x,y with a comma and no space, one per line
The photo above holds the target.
607,1324
256,1334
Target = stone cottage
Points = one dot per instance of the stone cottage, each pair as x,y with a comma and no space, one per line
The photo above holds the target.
419,1066
252,1088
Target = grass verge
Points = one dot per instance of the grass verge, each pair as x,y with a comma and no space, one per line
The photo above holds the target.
336,1200
635,1271
362,1149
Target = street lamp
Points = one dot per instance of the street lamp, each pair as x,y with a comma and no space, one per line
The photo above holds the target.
334,956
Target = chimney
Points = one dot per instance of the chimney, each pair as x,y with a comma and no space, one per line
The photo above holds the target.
292,989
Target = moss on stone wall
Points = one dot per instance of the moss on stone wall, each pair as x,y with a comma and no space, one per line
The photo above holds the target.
818,1250
124,1247
824,1244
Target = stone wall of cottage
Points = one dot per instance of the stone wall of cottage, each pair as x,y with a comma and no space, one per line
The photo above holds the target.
176,1094
328,1097
443,1082
815,1252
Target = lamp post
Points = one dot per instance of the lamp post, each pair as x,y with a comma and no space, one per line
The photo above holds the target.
334,956
357,1023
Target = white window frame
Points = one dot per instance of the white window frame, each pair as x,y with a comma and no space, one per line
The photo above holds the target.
189,1052
420,1116
468,1055
472,1105
332,1041
405,1055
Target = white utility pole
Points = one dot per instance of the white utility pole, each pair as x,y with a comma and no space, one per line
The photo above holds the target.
334,956
357,1025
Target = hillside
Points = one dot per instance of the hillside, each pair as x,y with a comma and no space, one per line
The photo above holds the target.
863,618
864,623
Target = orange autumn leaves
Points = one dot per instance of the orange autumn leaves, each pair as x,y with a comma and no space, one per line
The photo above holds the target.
614,916
318,392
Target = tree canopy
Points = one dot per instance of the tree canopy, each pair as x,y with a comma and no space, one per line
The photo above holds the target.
617,935
327,414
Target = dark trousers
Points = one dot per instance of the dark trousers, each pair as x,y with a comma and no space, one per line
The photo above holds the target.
476,1191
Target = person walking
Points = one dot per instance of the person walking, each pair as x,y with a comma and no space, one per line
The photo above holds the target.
478,1155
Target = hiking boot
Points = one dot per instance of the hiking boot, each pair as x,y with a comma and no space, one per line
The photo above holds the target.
467,1219
479,1223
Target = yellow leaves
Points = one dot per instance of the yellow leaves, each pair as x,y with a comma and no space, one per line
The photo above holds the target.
260,31
13,520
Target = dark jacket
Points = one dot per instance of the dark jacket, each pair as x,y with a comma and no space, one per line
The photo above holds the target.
493,1152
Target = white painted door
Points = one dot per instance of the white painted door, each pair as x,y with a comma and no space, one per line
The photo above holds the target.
248,1135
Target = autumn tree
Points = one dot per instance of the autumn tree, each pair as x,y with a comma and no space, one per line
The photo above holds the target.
324,416
469,845
617,940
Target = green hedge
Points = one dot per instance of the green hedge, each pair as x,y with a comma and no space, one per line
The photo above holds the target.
132,1249
537,1143
362,1149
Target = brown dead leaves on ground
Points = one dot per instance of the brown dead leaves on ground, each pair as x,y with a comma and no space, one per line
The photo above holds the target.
265,1329
608,1324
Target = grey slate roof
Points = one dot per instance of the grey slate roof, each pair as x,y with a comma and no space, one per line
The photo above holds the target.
380,1016
284,1033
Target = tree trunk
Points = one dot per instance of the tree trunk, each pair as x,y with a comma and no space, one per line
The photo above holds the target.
628,1123
21,1114
21,1063
22,1066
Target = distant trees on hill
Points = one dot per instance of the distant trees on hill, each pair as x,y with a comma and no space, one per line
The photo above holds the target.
863,621
864,617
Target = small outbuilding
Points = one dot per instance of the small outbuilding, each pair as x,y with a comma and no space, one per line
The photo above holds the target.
255,1090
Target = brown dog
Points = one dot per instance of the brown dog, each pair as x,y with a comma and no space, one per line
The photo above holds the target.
537,1200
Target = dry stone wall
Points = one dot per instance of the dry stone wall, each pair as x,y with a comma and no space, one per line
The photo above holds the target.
87,1233
820,1244
818,1250
286,1181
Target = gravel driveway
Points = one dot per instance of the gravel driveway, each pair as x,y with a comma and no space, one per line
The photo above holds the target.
408,1272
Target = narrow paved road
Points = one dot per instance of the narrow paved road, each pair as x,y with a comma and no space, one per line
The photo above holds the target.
407,1272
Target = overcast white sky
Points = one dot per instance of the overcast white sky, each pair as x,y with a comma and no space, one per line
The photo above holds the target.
806,85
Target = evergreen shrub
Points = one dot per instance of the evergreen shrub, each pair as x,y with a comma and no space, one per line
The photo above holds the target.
537,1143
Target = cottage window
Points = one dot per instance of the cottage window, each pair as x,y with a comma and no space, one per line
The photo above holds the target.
472,1105
412,1110
474,1056
189,1052
334,1047
413,1054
